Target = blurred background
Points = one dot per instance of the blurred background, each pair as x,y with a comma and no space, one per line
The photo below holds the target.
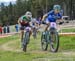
11,10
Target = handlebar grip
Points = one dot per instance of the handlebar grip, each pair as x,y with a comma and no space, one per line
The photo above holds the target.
60,23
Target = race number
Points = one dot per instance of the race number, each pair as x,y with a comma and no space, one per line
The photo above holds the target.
53,24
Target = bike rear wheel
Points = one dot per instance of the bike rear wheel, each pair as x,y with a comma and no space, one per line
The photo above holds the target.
54,41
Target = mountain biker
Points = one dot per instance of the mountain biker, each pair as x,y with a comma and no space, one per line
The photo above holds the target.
53,16
24,22
35,23
39,20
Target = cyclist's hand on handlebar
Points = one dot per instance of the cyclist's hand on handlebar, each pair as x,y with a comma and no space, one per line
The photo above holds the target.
43,22
60,21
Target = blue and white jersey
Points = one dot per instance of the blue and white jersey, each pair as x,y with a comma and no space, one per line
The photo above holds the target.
52,17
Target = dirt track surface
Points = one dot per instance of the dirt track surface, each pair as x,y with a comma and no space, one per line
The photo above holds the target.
7,34
6,47
2,36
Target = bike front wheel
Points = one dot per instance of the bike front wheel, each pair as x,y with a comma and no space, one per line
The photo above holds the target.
24,48
26,41
54,44
44,43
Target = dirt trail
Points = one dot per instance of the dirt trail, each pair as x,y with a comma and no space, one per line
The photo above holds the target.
7,34
2,36
6,47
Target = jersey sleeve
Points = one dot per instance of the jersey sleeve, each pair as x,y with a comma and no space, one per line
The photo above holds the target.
60,16
50,12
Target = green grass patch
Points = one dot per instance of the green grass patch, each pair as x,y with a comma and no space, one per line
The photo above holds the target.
34,51
67,43
68,30
6,39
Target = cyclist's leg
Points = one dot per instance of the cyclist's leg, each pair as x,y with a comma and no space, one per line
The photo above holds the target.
48,24
33,27
22,32
37,27
30,31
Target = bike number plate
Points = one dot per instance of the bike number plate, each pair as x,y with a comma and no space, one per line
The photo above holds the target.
53,24
28,29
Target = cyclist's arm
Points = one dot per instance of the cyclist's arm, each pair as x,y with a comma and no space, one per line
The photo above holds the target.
30,23
44,17
60,19
19,21
47,26
47,23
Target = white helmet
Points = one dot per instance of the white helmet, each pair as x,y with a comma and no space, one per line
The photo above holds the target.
29,14
57,7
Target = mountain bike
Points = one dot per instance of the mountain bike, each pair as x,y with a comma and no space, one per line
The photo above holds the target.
50,37
26,39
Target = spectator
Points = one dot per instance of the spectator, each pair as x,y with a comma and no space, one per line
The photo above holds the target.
17,27
8,29
4,29
0,29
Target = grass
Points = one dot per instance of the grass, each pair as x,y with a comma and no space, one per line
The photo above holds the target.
6,39
67,43
68,30
34,52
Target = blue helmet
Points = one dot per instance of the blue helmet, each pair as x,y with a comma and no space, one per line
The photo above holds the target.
56,7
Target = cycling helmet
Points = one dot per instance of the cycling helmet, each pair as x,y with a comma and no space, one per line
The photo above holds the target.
29,14
57,7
